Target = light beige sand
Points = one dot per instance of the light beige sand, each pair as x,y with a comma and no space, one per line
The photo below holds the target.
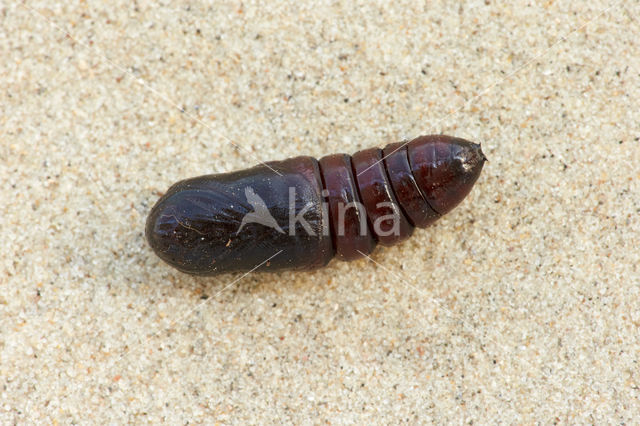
522,304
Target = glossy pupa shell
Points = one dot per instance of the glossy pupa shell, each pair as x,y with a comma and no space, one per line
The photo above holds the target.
300,213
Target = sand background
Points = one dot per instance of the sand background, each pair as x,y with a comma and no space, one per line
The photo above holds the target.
522,304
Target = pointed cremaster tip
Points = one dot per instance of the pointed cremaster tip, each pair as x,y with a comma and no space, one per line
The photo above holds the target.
445,169
470,155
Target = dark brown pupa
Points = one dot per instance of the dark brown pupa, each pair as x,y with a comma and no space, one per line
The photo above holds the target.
299,213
